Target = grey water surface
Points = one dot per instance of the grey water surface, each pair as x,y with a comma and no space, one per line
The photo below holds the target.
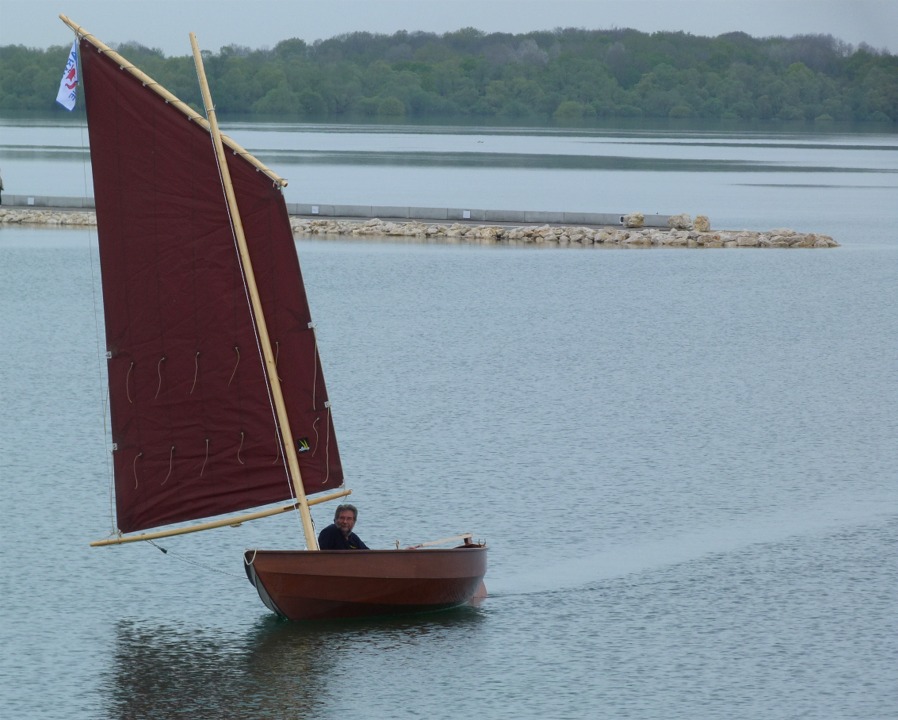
684,461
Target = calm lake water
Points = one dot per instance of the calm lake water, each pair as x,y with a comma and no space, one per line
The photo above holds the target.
684,461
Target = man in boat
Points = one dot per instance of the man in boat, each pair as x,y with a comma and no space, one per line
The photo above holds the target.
339,535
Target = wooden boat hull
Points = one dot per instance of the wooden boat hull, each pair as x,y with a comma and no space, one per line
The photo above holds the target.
332,584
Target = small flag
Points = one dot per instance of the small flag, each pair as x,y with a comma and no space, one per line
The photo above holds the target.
69,82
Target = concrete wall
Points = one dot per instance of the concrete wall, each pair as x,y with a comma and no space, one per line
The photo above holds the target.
525,217
48,201
390,212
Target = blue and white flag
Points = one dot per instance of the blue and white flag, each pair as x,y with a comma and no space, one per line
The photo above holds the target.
69,82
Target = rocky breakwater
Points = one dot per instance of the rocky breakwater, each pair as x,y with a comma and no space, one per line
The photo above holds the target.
42,216
683,231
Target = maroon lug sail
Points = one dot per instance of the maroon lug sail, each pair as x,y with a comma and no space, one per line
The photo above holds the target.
194,417
193,429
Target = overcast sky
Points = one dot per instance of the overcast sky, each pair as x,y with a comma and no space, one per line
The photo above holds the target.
165,24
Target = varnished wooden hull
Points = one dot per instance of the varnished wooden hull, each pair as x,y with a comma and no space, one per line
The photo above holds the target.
332,584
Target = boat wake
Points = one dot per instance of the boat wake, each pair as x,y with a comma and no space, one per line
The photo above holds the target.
546,573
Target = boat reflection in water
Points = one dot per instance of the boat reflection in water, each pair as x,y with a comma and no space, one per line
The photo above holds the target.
274,669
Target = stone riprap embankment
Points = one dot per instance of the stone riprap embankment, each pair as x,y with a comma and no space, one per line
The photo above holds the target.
22,216
564,235
683,232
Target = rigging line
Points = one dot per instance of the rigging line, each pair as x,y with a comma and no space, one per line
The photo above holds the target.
277,355
327,445
110,472
188,561
314,363
95,282
240,448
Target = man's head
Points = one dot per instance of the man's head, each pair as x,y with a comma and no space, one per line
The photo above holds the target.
345,517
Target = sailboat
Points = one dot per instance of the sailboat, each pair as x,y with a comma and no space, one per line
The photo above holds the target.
217,399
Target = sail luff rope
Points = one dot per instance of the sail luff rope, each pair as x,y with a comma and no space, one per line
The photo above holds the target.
314,365
327,445
327,405
102,382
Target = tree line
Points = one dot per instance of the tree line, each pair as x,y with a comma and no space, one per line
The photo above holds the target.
565,75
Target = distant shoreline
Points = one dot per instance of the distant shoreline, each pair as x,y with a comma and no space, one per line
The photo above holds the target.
631,233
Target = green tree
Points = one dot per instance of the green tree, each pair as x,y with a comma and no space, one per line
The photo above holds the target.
558,74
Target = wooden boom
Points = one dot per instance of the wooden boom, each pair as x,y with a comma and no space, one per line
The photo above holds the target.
212,524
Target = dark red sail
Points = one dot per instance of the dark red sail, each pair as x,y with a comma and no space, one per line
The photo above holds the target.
193,427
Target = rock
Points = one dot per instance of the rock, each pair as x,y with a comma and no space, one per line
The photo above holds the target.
702,223
632,234
680,222
825,241
746,239
637,238
677,239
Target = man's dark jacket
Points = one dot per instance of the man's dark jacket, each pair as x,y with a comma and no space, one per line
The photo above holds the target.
331,538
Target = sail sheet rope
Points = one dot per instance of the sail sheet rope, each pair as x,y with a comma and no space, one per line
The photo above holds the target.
184,559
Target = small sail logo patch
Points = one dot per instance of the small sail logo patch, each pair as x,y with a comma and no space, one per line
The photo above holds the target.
302,445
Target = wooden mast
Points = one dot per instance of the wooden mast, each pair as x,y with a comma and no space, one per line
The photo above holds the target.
256,304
